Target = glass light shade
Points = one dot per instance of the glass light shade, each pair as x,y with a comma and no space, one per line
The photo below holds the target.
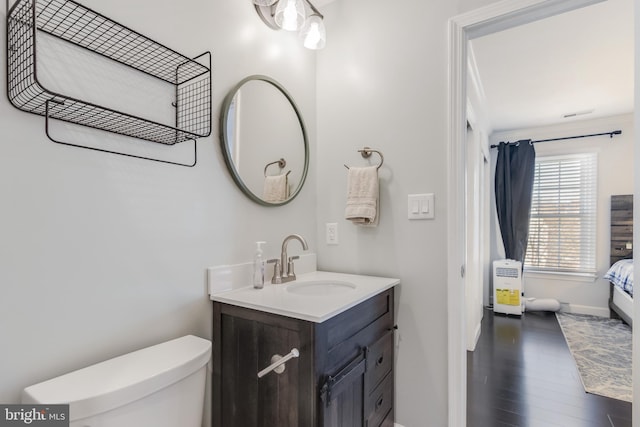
290,15
313,33
264,2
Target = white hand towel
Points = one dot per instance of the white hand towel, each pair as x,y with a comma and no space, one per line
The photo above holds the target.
276,188
362,196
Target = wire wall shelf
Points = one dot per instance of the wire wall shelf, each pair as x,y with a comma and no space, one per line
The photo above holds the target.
73,23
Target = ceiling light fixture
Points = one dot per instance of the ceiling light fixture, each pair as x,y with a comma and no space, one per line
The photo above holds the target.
291,15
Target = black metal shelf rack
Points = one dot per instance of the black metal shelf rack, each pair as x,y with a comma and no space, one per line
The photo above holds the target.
81,26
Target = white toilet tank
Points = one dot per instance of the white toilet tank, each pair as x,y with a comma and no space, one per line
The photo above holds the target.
158,386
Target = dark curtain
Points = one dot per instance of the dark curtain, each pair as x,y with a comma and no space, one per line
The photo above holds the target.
514,184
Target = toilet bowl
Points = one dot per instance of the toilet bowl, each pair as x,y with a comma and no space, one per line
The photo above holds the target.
158,386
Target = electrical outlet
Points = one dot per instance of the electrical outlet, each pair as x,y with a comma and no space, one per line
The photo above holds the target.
332,233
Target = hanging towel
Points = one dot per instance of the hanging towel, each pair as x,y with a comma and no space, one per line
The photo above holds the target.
276,188
362,196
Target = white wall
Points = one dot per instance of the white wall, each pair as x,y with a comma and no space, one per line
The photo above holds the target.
477,204
102,254
477,224
615,176
382,82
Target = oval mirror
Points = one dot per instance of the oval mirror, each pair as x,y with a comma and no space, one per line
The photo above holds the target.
264,141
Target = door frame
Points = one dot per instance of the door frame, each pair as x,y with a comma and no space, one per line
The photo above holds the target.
462,28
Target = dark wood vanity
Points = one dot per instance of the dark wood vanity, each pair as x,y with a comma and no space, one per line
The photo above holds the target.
342,378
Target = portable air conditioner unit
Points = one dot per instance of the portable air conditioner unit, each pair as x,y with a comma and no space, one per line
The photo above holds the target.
507,287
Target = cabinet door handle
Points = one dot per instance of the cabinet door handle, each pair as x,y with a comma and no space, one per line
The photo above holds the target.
379,403
336,384
380,360
277,362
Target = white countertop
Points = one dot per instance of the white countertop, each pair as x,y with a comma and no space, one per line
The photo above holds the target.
277,299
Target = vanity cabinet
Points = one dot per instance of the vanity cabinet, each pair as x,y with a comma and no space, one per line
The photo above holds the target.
342,378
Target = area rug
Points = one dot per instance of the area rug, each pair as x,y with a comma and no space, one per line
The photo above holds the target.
601,348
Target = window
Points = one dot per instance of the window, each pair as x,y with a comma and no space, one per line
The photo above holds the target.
562,228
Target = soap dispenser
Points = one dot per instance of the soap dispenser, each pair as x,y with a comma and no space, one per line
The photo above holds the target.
258,267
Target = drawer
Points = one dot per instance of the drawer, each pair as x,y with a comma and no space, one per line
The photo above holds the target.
389,421
379,403
346,325
379,361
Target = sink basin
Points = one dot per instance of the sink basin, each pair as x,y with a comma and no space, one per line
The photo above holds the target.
321,288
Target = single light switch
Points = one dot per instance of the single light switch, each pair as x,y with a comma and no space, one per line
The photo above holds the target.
429,206
424,206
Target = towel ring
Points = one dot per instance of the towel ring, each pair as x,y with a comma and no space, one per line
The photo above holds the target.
281,163
366,153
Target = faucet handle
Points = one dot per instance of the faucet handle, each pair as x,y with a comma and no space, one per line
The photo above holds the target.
277,270
291,273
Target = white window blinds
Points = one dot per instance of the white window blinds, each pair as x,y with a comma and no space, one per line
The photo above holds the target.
562,228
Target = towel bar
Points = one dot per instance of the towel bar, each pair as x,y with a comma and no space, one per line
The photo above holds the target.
366,153
281,164
277,362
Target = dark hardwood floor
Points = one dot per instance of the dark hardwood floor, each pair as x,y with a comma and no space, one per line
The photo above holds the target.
522,374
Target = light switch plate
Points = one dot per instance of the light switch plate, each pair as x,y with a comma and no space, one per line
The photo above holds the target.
421,206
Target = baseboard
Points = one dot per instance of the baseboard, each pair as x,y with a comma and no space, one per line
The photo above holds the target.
585,309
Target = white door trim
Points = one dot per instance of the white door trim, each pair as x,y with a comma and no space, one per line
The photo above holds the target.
487,20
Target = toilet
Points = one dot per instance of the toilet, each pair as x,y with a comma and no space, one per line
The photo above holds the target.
159,386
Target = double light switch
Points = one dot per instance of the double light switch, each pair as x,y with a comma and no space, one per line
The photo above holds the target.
421,206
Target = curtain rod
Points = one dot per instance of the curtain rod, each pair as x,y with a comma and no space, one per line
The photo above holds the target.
613,132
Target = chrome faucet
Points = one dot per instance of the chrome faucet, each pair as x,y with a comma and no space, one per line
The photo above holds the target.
283,271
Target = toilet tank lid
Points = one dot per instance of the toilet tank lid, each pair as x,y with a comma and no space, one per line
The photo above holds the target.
115,382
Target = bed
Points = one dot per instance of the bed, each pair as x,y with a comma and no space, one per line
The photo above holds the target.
620,275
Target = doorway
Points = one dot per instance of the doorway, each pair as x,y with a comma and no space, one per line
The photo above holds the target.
488,20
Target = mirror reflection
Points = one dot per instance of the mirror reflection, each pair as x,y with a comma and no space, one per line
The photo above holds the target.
264,141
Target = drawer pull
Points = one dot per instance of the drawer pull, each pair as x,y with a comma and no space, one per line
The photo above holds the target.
379,403
380,360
